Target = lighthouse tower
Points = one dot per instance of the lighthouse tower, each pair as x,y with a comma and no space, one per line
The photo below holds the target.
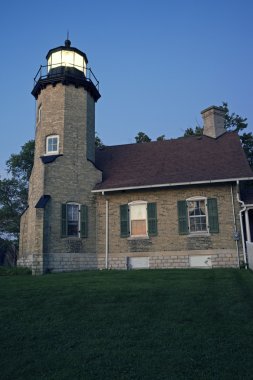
58,228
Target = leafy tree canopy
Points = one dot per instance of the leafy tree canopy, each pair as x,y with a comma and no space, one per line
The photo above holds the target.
160,138
141,137
14,192
20,165
98,141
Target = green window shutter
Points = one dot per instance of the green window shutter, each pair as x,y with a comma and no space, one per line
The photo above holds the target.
63,220
84,221
152,219
182,217
124,221
213,219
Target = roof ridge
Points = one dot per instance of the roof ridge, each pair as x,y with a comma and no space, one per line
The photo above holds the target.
199,137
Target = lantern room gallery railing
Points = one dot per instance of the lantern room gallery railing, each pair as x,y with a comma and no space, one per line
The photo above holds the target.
51,71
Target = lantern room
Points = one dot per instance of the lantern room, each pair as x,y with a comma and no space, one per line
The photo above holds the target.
66,65
66,57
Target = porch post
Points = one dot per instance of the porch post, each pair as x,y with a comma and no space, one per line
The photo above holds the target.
248,234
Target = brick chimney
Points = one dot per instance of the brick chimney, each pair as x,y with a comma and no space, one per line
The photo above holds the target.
214,120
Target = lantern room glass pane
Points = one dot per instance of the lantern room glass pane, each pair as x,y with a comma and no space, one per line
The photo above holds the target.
79,62
66,58
56,59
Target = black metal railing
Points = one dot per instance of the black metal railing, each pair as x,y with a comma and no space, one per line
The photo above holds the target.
51,71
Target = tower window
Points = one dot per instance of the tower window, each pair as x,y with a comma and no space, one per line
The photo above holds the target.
39,113
52,144
74,221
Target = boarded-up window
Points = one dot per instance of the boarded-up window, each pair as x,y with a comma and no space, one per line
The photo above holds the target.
138,218
138,215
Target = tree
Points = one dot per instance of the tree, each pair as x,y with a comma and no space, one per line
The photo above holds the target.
142,138
13,199
20,165
198,131
98,141
233,123
160,138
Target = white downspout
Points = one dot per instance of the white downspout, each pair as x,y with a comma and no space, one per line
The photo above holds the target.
241,224
248,233
106,232
235,229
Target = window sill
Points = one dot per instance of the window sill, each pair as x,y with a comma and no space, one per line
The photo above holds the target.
138,238
71,237
198,234
51,154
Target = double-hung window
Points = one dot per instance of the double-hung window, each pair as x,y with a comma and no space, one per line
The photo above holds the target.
74,220
52,144
198,215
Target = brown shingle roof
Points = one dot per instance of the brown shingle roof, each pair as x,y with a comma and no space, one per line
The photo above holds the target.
179,161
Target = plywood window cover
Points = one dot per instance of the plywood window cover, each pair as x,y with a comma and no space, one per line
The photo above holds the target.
138,218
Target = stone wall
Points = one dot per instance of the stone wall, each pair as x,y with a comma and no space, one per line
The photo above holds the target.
169,249
66,111
69,261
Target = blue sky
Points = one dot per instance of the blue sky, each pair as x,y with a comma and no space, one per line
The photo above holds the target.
159,63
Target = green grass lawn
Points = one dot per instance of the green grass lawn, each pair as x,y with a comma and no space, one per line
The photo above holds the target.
157,324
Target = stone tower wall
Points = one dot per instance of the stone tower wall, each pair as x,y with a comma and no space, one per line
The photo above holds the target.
68,112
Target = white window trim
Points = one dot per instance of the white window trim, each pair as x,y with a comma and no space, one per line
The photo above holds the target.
195,233
137,203
58,143
79,220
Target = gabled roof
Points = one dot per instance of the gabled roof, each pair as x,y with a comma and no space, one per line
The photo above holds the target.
172,162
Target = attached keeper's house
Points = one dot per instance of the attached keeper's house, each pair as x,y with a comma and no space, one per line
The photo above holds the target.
163,204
